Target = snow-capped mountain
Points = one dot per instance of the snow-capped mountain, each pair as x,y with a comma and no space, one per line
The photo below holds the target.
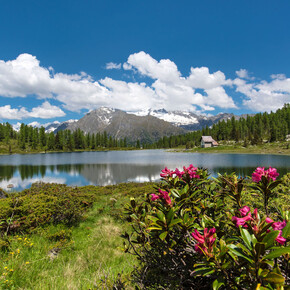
120,124
49,127
57,126
186,120
177,118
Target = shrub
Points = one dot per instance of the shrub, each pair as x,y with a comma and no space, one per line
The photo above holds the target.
41,205
197,232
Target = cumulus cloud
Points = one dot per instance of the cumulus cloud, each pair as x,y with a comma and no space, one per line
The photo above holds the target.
264,96
45,111
199,90
112,65
176,91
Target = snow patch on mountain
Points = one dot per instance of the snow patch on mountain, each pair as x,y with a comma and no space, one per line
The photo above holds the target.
177,118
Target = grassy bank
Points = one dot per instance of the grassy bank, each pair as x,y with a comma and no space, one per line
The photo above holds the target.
48,252
281,148
13,148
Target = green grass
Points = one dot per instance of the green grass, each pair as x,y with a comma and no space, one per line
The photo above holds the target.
281,148
89,255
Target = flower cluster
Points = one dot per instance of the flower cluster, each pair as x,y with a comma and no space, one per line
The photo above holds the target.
246,216
278,226
163,195
205,242
271,173
253,220
191,171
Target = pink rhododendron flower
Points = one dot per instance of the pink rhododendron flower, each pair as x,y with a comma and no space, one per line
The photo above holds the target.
244,210
271,173
280,239
154,196
163,194
205,242
178,173
166,173
278,226
191,171
242,221
258,173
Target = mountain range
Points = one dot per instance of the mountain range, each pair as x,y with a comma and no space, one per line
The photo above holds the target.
146,126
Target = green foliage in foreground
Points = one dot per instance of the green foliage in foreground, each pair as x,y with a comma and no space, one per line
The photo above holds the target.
59,247
202,233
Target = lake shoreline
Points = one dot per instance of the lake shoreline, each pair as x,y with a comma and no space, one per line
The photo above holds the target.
271,148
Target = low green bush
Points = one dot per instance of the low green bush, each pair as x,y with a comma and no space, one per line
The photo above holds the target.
43,204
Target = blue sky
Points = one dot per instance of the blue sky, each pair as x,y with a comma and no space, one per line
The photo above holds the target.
61,59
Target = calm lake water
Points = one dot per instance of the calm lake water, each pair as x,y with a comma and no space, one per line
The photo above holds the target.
111,167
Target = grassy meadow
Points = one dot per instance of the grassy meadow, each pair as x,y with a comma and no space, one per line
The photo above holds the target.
51,254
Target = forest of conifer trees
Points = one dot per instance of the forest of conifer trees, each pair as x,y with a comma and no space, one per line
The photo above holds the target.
37,139
252,130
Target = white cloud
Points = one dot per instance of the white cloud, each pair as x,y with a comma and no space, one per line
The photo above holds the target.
244,74
45,111
200,89
177,92
264,96
112,65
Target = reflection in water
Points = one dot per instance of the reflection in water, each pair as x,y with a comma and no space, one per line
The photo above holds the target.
103,168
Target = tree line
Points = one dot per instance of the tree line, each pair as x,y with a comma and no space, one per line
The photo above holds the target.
254,130
262,127
29,137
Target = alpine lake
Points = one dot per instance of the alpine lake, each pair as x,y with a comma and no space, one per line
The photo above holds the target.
19,171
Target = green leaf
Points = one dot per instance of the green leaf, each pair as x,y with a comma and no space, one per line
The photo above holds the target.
277,253
217,283
175,193
247,238
154,228
270,238
274,184
274,278
286,230
174,222
161,216
260,249
203,271
238,252
169,216
163,236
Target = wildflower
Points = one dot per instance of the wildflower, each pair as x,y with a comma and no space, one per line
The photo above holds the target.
271,173
280,239
278,226
163,194
178,173
205,242
154,196
166,173
244,210
191,171
26,263
242,221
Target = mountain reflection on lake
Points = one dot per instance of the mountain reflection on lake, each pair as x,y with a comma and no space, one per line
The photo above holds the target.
104,168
